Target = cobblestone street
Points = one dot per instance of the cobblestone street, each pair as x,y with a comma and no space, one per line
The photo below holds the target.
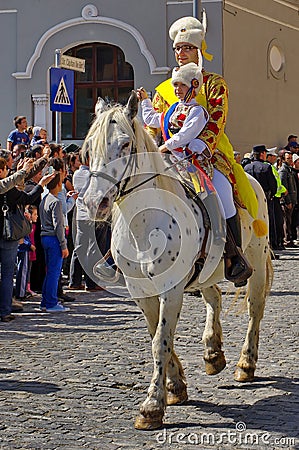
75,380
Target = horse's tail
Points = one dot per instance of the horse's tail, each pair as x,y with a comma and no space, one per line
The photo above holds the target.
269,275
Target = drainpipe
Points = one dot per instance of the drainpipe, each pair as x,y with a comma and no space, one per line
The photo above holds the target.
197,8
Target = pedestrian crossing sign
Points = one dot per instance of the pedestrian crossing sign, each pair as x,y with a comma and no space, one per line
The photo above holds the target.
62,90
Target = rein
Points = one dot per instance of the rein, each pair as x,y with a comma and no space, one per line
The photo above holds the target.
122,192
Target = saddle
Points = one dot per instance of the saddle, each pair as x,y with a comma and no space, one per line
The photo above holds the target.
214,223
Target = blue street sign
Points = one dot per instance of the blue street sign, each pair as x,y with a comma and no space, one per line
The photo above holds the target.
62,90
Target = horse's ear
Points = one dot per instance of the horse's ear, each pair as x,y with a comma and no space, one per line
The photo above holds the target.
100,106
132,106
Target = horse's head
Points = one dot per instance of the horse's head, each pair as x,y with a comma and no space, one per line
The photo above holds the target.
109,146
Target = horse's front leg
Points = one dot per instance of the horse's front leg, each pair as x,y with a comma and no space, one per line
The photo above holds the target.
175,378
259,286
212,335
152,409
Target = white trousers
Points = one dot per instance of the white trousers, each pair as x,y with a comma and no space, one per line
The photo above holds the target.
225,192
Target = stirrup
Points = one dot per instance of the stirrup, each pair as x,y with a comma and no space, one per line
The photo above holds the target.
106,272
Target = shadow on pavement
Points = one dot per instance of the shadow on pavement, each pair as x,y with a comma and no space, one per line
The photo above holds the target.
35,387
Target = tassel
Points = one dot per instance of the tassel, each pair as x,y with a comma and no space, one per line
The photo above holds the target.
206,55
259,227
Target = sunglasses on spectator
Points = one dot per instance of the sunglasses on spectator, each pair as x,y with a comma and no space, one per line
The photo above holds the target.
185,48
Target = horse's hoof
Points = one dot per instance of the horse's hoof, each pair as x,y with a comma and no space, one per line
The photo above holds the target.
244,376
148,423
215,365
177,399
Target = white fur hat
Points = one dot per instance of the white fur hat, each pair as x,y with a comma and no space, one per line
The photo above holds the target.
187,29
189,74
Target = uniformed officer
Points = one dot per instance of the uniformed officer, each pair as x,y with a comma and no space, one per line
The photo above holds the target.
262,172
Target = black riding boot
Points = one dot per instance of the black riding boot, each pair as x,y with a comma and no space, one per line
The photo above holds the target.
237,268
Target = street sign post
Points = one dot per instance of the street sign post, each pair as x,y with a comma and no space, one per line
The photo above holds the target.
61,90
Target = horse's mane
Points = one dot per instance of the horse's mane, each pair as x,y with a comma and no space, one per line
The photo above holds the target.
95,143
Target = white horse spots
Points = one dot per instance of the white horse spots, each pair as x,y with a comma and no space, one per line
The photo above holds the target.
157,235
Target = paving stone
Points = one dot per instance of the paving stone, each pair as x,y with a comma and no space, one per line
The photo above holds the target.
76,380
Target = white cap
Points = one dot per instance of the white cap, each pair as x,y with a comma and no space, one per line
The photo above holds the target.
295,157
187,29
272,151
189,74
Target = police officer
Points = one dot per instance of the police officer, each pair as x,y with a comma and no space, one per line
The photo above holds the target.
263,173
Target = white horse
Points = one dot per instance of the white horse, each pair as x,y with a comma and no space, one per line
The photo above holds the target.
157,234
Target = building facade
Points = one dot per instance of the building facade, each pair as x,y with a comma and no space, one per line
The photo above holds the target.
125,45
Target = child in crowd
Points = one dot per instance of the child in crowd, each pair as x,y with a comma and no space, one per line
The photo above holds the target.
39,136
22,268
53,239
33,211
26,248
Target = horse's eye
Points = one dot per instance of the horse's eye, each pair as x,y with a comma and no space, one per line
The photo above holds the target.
124,146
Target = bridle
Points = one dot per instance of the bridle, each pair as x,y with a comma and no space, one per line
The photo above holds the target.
122,183
124,179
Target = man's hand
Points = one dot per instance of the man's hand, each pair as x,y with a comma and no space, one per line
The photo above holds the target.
26,164
46,178
65,253
141,94
73,194
46,151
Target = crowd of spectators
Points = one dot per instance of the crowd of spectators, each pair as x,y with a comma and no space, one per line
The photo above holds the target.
48,258
37,176
281,186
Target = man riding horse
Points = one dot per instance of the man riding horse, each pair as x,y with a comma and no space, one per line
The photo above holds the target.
189,46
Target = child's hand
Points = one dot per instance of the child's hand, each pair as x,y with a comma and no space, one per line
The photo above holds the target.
32,248
141,94
163,148
27,215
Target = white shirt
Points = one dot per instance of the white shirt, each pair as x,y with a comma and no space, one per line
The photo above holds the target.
195,121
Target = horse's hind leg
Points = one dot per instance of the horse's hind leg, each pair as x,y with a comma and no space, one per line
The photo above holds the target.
259,286
212,335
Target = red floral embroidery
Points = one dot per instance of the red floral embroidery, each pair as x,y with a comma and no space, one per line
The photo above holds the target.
215,101
216,115
181,117
210,140
221,90
213,127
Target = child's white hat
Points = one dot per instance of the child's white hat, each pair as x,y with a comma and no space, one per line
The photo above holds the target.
189,74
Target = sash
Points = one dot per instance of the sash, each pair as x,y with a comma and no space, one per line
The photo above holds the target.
166,133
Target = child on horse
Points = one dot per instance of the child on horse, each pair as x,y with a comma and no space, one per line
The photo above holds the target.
181,124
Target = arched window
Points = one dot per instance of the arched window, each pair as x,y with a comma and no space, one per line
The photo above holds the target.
107,75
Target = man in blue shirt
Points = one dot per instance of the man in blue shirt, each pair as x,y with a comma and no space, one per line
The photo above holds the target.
19,135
